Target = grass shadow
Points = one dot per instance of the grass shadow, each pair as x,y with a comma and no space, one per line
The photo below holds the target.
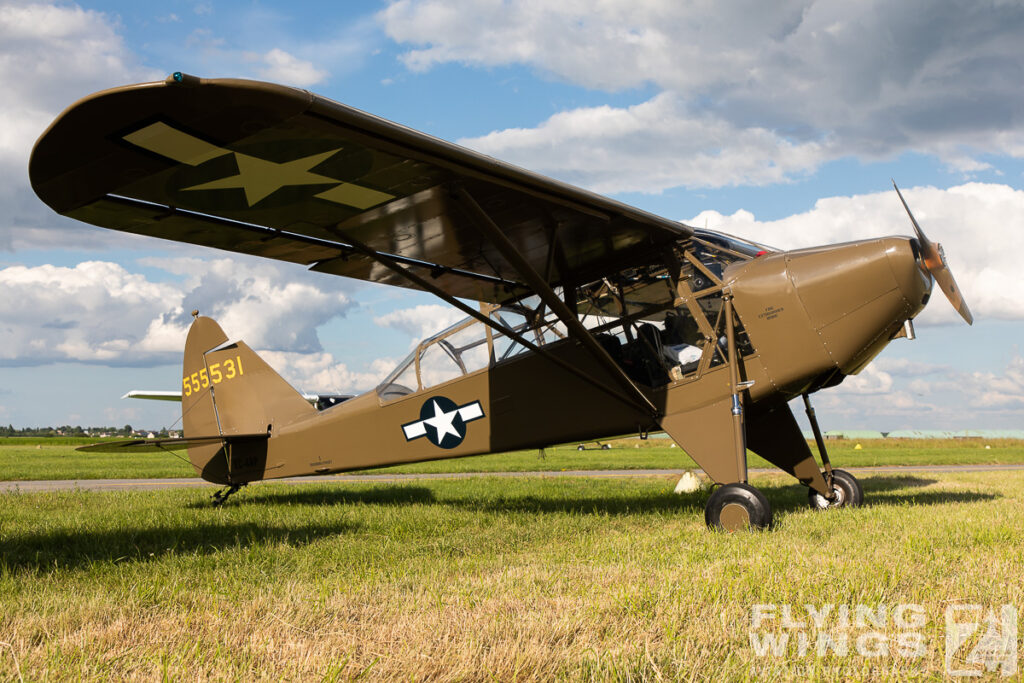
881,491
903,481
655,501
784,497
930,498
68,549
612,506
336,495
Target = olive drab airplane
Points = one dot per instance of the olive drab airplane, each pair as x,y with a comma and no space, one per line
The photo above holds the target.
590,318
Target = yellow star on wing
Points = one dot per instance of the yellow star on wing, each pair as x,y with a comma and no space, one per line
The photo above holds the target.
261,178
258,177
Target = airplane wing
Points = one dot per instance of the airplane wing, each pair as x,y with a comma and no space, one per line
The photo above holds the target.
282,173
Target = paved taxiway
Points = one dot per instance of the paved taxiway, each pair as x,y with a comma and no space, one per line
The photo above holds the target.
135,484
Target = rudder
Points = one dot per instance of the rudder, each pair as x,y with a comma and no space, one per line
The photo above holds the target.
227,389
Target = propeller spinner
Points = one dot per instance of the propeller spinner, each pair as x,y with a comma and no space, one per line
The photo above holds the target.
935,261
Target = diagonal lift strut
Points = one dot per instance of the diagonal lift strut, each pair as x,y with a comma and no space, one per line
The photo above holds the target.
539,285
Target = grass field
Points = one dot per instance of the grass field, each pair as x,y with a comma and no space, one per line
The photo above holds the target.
490,579
22,460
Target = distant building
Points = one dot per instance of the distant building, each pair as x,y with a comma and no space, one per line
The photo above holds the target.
853,434
957,434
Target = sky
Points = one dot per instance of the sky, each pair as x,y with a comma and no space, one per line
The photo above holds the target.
781,122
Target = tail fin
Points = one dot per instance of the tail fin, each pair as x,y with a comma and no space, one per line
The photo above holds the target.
229,390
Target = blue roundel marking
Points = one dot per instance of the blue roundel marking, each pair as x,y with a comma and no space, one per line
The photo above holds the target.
443,421
438,431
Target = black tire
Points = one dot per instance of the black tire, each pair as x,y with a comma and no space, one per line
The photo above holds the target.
848,493
581,447
606,447
737,506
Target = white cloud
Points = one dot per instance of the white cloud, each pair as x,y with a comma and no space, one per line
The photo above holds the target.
871,381
904,367
949,399
998,391
99,312
818,79
322,373
94,312
420,322
50,55
268,304
282,67
650,147
976,223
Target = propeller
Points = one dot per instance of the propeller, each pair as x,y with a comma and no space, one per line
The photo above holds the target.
935,261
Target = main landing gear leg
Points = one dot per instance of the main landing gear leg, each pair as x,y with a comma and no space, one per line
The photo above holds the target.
221,496
715,437
846,490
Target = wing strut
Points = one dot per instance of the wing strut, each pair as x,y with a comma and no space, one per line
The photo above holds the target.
389,263
548,296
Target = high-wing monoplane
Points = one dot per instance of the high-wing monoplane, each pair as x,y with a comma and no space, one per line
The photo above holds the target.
585,318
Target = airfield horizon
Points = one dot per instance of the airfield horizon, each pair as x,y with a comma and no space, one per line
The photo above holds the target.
39,458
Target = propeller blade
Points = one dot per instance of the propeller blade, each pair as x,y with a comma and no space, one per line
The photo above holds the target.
948,286
935,261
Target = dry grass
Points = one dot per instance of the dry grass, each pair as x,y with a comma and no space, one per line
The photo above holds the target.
483,580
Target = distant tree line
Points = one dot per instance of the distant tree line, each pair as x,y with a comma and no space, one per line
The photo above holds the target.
78,430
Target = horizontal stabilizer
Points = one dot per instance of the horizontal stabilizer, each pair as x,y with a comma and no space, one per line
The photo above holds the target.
164,445
154,395
321,401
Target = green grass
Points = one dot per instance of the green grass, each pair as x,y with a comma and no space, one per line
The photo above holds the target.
46,461
51,440
656,454
489,579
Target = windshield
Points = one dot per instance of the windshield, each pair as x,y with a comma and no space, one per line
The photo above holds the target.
733,243
469,346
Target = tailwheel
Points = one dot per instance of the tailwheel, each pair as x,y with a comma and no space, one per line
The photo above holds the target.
734,507
846,490
221,496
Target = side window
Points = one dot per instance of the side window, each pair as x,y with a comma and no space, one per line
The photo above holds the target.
402,380
438,363
470,347
551,331
506,347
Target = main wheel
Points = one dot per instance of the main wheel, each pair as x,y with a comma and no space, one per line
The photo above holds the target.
847,490
737,506
581,447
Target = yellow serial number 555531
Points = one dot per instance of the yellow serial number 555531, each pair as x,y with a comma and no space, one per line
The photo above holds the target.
219,372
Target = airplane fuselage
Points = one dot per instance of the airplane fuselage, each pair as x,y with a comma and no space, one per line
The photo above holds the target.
813,316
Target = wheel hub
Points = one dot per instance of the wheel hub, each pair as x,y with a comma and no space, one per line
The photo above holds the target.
734,517
838,499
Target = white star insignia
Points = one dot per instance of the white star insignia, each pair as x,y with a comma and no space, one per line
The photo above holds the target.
442,422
